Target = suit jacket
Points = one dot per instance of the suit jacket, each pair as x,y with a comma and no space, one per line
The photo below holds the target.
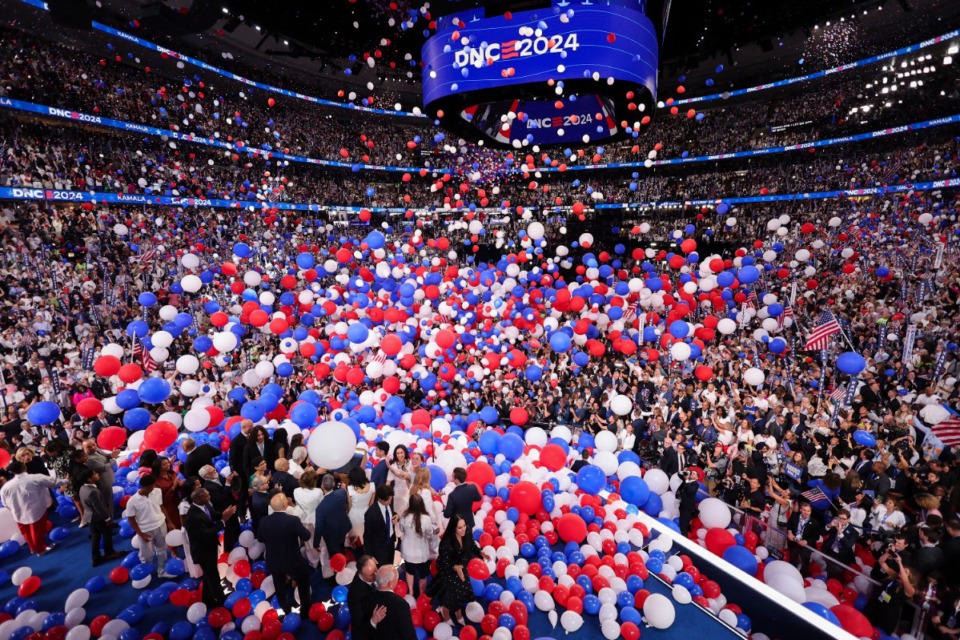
670,462
252,452
379,474
203,531
812,530
376,542
357,592
199,458
286,482
221,495
460,501
398,625
846,543
259,508
93,505
879,483
237,448
331,521
283,534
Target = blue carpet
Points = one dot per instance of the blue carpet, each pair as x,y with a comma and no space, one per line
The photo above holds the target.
68,567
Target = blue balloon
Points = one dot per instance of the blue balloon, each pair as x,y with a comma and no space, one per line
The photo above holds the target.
634,490
154,390
136,419
511,446
175,567
304,415
358,333
822,611
865,438
9,549
749,274
43,413
591,479
851,363
679,329
138,329
438,477
742,559
560,341
340,593
59,534
147,299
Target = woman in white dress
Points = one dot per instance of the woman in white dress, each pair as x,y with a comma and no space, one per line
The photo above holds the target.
360,496
419,531
400,477
308,496
421,487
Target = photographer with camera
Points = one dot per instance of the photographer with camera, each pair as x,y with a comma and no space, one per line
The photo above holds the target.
687,495
884,608
839,544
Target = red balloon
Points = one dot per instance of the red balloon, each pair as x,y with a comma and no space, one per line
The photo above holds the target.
391,344
107,366
525,496
29,586
519,416
89,407
242,568
160,435
719,540
572,528
852,620
130,373
629,631
489,624
338,561
480,474
112,438
119,575
703,372
218,617
97,625
478,569
553,457
241,608
446,338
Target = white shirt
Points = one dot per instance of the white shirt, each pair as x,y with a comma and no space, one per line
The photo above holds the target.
416,549
27,496
308,499
145,510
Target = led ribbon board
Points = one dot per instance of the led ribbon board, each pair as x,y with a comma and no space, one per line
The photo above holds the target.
496,79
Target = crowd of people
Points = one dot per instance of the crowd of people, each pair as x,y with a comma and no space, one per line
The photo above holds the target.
844,474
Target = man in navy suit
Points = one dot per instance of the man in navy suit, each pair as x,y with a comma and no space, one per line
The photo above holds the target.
332,523
461,499
380,528
397,623
203,524
379,474
283,535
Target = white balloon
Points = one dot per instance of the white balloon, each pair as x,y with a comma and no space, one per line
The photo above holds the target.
475,612
659,611
191,283
74,617
682,595
20,575
112,349
80,632
196,612
543,601
535,437
621,405
754,377
714,513
331,445
571,621
188,364
174,538
657,481
606,441
77,598
680,351
726,326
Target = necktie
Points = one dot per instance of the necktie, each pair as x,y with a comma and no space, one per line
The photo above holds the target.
800,527
386,520
207,511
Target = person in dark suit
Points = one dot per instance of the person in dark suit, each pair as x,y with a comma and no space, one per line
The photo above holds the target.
839,543
237,448
397,623
331,521
879,481
197,457
259,501
283,535
803,531
202,524
259,445
674,457
379,474
582,462
364,584
223,495
687,494
461,499
380,528
282,478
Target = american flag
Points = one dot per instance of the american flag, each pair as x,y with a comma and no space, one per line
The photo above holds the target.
838,394
144,260
819,338
815,495
630,313
948,431
147,363
752,301
381,357
787,313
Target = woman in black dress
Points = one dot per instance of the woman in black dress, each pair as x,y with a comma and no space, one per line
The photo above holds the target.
451,586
